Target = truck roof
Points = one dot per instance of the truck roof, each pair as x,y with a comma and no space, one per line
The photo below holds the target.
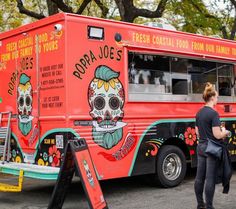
64,16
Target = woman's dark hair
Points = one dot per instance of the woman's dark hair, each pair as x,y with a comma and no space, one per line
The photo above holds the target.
209,92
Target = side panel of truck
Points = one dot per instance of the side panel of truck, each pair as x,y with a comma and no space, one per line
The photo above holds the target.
33,89
67,76
96,82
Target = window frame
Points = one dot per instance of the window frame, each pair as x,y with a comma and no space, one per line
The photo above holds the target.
170,97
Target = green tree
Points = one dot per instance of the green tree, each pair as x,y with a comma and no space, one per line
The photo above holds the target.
215,17
206,17
128,10
9,15
42,8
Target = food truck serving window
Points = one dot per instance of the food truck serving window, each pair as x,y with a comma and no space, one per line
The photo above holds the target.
155,77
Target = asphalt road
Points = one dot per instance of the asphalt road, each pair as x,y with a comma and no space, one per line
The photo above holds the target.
126,193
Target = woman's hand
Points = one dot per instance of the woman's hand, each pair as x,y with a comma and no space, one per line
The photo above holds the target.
228,133
220,132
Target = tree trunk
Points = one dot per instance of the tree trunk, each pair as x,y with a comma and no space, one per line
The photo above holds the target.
52,8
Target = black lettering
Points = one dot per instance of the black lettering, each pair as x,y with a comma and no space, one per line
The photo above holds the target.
26,63
60,66
92,56
77,74
80,68
12,82
119,52
83,62
31,62
100,54
13,78
86,57
9,92
11,86
106,51
112,53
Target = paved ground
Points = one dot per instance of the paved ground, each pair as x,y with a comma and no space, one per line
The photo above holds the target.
127,193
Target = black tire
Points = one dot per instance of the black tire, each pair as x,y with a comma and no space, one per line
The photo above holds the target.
171,166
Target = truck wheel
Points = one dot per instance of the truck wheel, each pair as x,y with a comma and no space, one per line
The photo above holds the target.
171,166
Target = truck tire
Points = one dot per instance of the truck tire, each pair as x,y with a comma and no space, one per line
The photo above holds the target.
171,166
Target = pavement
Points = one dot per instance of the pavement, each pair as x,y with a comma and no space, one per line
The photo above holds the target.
125,193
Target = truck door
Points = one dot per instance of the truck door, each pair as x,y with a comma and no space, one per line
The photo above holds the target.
28,99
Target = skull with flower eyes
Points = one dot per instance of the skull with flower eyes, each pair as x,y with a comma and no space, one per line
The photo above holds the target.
24,102
106,99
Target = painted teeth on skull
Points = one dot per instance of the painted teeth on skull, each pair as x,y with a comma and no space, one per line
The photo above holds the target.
107,123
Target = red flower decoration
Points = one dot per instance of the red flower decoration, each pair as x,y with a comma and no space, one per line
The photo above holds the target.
191,152
190,136
55,154
90,92
121,93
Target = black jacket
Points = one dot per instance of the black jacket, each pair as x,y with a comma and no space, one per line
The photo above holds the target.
225,169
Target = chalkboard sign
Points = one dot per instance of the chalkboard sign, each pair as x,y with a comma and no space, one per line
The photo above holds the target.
77,158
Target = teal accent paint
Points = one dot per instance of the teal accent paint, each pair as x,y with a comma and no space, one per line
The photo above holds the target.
105,73
34,174
227,119
25,127
31,174
10,171
148,128
24,79
14,136
99,177
53,176
164,121
54,131
46,134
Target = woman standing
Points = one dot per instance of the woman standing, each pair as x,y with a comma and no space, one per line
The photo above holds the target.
208,125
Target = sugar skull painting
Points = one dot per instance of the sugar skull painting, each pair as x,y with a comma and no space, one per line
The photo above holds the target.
24,103
106,100
88,173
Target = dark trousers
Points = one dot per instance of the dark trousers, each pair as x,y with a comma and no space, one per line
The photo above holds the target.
206,175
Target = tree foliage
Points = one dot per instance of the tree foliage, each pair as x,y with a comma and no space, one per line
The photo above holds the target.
101,8
9,16
214,17
206,17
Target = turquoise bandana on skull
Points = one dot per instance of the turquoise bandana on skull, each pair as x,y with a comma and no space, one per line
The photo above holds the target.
25,128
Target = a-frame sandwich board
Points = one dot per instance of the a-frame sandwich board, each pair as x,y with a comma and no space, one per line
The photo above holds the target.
77,158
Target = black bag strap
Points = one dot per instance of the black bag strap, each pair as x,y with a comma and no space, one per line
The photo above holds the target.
209,139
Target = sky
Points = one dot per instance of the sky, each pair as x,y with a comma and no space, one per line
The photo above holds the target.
220,4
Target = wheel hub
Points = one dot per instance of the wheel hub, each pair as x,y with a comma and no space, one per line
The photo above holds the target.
172,166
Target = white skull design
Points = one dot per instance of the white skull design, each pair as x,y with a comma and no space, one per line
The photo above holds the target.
24,100
88,173
106,101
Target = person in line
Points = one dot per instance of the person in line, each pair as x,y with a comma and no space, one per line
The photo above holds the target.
208,125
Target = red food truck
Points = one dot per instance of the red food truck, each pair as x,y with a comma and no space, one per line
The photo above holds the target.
131,91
